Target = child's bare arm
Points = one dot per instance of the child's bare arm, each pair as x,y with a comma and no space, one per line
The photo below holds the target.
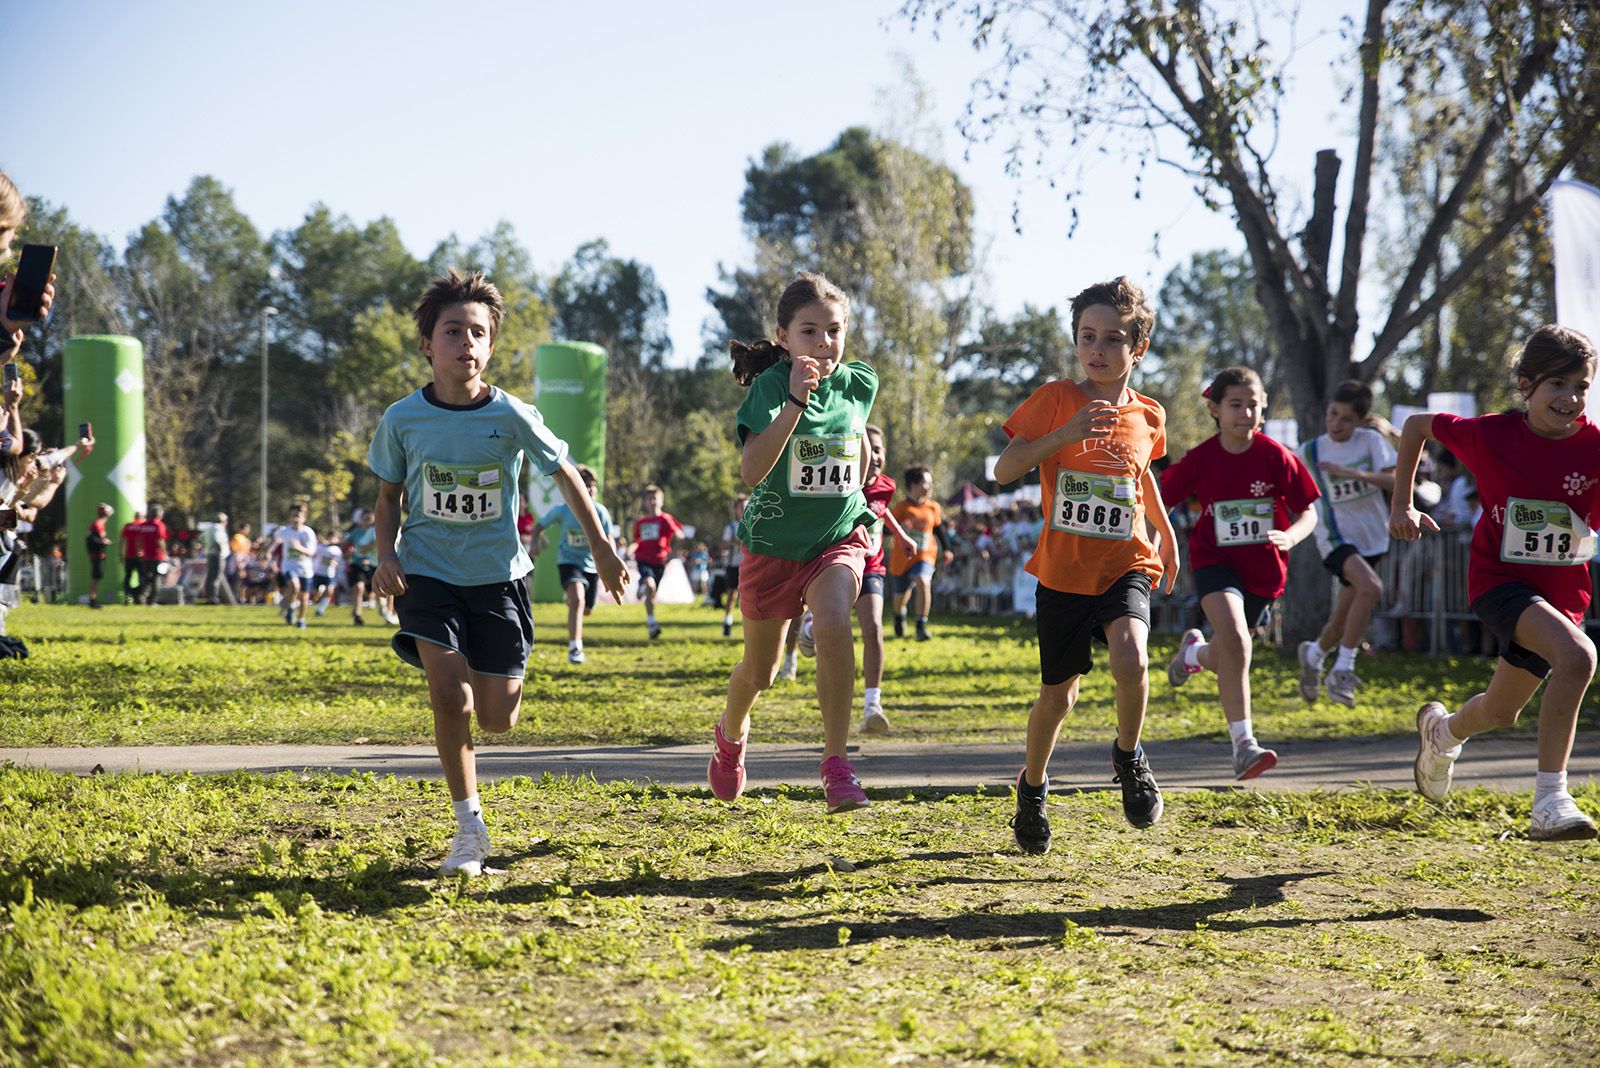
1405,522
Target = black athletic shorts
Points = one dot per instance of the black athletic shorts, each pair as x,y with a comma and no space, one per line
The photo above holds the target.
490,625
320,582
1500,609
872,582
571,573
1067,624
97,567
650,571
361,572
730,577
1335,561
1220,578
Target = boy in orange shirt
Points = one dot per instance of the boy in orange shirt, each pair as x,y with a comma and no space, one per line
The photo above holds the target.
912,572
1096,560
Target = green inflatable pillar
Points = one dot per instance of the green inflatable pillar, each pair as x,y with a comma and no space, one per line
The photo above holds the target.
570,389
104,386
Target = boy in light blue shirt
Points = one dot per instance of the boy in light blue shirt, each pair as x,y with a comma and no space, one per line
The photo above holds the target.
449,459
575,560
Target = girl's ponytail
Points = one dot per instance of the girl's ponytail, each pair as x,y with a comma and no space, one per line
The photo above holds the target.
750,358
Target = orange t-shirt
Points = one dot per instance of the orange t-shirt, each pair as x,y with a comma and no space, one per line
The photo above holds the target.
1093,491
919,518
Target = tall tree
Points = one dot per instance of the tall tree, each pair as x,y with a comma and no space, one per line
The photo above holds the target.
1522,72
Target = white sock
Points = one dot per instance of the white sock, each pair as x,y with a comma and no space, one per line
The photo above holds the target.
1548,783
874,696
1318,655
468,811
1442,738
727,619
650,617
575,645
1347,659
1191,656
789,661
1240,732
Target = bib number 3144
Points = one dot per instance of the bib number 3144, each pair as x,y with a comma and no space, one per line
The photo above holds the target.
824,467
461,494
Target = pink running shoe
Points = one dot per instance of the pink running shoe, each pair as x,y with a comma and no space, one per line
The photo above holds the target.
840,786
725,773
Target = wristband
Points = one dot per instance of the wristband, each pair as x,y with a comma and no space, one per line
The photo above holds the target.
798,402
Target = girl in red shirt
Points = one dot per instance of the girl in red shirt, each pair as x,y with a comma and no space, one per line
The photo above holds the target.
1256,502
1538,475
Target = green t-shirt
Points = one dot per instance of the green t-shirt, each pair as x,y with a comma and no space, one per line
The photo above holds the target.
812,496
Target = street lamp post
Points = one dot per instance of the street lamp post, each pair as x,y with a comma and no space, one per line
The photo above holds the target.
266,313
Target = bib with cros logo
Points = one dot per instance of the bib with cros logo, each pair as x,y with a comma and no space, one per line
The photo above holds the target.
1544,532
824,467
461,494
1244,522
1096,506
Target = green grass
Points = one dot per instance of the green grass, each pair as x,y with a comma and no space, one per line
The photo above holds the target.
233,920
223,675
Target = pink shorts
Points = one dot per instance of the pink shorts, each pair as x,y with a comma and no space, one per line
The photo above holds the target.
774,588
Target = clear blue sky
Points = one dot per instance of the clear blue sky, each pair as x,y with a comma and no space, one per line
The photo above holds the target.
628,120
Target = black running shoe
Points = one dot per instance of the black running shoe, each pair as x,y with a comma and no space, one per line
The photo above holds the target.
1030,824
899,625
1141,797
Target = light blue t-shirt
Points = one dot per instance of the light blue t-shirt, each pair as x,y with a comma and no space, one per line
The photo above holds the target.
461,467
574,546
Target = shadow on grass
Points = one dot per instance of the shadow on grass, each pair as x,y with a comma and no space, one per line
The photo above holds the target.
1042,928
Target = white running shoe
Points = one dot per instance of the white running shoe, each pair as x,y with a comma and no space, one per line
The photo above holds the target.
807,642
575,655
873,721
322,608
1310,673
790,669
1559,819
468,850
1434,767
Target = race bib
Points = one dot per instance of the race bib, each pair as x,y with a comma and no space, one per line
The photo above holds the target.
824,467
577,539
461,494
1544,532
1345,490
1095,506
1243,522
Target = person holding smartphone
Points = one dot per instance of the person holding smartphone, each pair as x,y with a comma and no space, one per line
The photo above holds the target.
13,213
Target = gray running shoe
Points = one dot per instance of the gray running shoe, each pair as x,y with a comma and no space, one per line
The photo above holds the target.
1251,759
873,721
1341,686
1177,671
1310,673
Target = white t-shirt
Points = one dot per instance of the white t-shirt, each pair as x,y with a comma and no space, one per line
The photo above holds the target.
329,557
1351,511
299,550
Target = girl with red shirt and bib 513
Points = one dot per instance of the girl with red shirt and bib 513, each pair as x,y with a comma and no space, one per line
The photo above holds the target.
1105,543
805,527
1256,499
1538,475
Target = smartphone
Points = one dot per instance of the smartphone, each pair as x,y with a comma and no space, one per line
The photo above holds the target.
85,431
13,373
37,264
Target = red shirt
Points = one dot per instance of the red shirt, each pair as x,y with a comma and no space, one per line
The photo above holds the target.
652,538
97,540
1510,462
152,540
1242,497
879,492
133,540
